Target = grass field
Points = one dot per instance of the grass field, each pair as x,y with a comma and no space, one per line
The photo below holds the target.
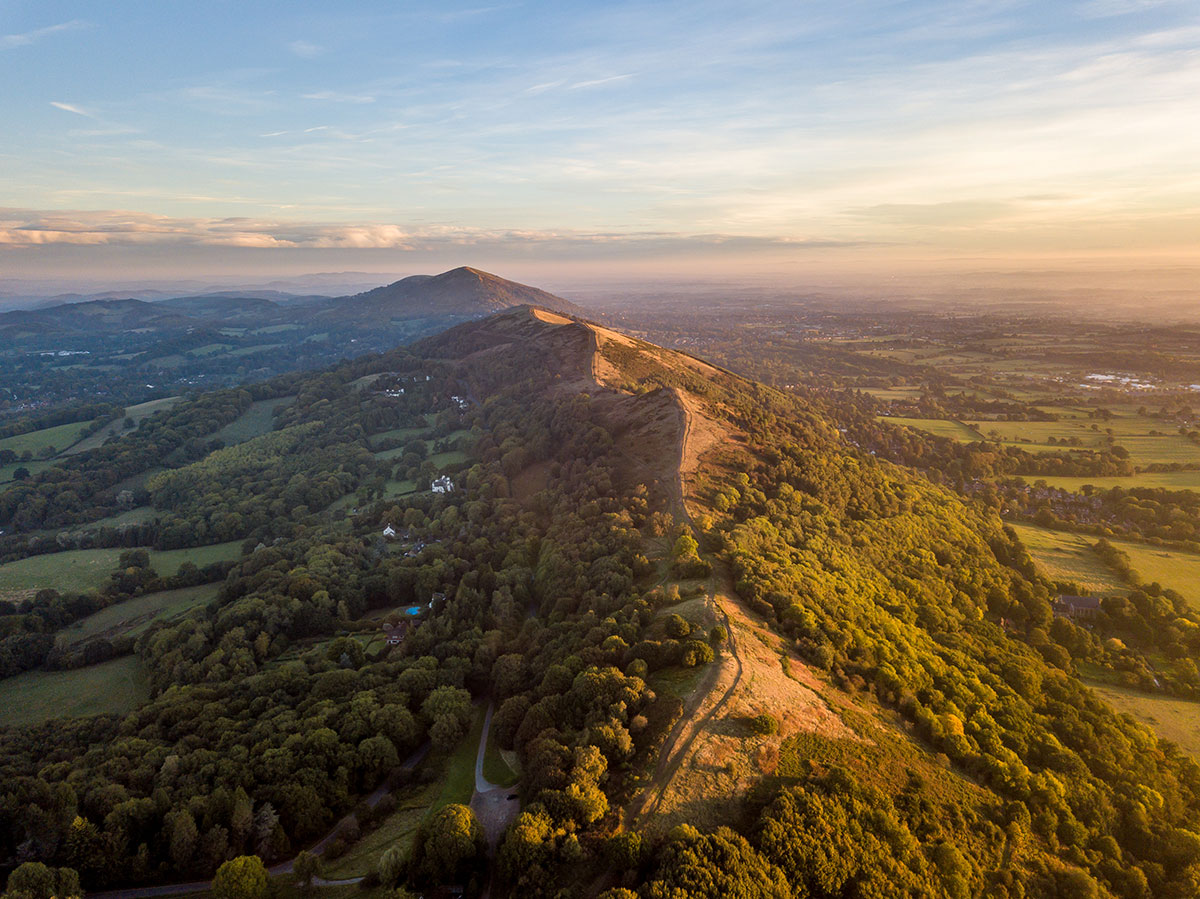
405,434
61,437
1130,431
116,686
939,427
81,570
130,618
1172,568
138,413
33,466
259,419
1069,557
1165,480
140,515
210,349
1177,720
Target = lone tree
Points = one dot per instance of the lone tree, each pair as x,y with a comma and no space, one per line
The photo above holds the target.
306,867
449,848
244,877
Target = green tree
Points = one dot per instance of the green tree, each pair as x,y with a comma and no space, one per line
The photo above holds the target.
449,846
306,867
33,880
244,877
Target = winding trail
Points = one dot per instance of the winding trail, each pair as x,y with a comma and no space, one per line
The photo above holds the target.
675,748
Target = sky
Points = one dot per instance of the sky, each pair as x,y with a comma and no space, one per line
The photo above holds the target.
190,138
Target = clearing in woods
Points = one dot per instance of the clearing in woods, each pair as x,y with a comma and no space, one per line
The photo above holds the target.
112,687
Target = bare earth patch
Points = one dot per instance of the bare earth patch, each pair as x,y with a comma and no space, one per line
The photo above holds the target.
719,757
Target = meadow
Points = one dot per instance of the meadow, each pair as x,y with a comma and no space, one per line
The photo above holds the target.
1163,480
131,617
1064,556
60,438
259,419
112,687
81,570
939,427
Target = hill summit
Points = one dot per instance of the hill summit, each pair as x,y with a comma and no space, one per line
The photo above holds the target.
462,292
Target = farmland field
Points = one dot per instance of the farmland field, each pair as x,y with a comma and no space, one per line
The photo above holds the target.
130,618
1068,557
112,687
254,422
1165,480
1172,568
80,570
60,437
1177,720
939,427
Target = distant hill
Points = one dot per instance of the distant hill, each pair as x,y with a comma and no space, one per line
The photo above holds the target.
459,293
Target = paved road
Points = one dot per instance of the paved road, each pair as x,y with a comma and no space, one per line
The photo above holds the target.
199,886
495,806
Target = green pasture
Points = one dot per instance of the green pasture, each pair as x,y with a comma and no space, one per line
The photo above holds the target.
939,427
1164,480
112,687
1063,556
81,570
259,419
60,437
131,617
210,349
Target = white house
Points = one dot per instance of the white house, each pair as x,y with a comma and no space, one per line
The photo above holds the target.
389,532
442,484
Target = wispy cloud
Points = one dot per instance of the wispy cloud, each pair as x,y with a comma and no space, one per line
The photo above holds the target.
595,82
22,228
70,107
306,49
339,97
12,41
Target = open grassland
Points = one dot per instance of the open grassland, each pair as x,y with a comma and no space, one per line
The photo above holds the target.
60,438
1165,480
138,414
140,515
112,687
1064,556
1177,720
33,467
1172,568
130,618
495,769
80,570
939,427
1131,431
259,419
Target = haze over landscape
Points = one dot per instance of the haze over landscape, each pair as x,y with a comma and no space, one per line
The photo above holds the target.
635,450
